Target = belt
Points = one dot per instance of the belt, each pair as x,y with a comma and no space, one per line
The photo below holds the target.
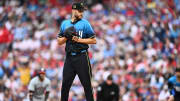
76,53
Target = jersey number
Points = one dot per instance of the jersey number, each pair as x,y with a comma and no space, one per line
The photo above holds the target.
80,34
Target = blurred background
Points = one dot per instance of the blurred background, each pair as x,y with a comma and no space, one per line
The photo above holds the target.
138,41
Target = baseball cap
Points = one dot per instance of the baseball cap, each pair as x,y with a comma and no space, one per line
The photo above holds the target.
41,71
79,6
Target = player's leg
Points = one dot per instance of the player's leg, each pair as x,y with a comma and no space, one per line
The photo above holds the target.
83,69
68,77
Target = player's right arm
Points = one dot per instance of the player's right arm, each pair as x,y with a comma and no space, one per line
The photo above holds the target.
171,89
61,39
31,89
31,95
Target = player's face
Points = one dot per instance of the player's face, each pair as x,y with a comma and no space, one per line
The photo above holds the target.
42,76
78,14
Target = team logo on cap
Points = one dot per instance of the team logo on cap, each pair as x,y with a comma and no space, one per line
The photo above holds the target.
74,6
81,4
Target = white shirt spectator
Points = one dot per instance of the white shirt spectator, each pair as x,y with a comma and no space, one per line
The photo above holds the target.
164,94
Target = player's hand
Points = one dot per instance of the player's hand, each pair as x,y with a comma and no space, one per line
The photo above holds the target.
75,38
70,32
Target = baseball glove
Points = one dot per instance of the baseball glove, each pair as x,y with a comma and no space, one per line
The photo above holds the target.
70,32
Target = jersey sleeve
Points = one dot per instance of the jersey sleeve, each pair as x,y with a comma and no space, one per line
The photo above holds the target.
170,85
31,85
89,30
172,79
48,86
61,30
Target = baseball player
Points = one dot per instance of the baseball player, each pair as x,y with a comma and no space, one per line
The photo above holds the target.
77,33
174,86
39,87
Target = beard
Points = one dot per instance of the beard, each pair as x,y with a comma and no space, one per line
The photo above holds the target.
77,17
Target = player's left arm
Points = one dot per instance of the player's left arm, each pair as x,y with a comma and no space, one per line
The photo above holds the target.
85,41
89,33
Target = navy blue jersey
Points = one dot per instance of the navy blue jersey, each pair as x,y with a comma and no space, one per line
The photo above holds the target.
83,28
175,87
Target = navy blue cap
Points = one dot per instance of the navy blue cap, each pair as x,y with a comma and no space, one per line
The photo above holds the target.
79,6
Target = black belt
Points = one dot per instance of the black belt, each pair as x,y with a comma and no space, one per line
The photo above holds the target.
76,53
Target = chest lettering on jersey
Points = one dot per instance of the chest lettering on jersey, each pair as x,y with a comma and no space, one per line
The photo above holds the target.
40,89
80,34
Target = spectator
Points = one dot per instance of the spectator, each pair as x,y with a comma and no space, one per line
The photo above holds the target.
108,90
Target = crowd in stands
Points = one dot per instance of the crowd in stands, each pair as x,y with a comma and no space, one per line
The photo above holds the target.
138,41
